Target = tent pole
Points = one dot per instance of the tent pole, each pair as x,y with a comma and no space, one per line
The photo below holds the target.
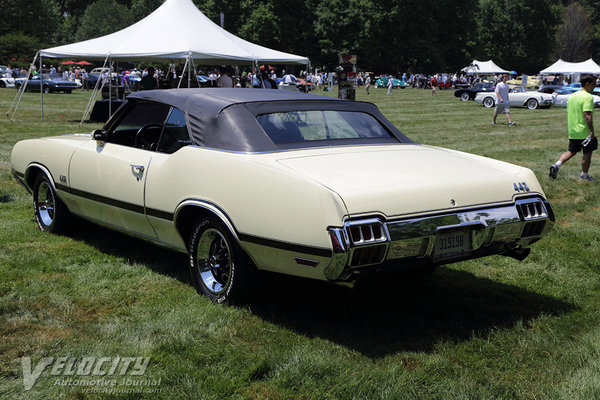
193,65
109,86
182,73
94,94
41,90
17,100
189,71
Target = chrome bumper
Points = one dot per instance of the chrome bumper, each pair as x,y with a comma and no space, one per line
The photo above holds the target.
367,244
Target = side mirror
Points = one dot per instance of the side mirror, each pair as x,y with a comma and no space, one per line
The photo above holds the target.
100,136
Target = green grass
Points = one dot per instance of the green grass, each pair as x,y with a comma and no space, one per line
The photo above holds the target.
493,328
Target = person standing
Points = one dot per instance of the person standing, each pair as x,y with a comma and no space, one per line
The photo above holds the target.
433,83
390,84
224,79
581,129
149,82
368,83
502,100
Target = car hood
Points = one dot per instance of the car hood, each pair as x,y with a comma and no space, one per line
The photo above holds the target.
411,179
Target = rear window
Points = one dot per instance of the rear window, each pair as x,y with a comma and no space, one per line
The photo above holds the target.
301,126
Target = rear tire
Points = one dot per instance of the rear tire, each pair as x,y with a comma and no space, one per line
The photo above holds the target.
51,214
465,96
488,102
46,89
219,267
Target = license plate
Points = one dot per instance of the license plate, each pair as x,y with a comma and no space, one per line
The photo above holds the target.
455,244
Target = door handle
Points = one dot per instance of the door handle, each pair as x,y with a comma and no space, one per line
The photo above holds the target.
137,170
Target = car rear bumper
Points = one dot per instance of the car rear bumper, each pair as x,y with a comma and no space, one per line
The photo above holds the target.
372,244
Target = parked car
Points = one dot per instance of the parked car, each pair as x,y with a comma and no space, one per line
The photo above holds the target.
532,83
50,83
573,87
550,88
384,79
6,82
561,96
467,94
518,97
305,185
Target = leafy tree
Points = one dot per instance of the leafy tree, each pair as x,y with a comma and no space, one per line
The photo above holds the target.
37,18
518,34
140,9
18,49
94,21
574,34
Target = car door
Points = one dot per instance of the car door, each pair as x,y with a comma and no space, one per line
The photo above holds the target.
108,179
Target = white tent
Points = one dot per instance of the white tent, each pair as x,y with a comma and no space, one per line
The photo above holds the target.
566,68
484,67
175,30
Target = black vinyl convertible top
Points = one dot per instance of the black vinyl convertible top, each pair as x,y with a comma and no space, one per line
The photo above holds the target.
225,119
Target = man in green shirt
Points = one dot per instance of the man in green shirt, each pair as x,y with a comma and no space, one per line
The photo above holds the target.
581,129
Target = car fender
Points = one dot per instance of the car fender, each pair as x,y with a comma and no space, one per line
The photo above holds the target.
207,207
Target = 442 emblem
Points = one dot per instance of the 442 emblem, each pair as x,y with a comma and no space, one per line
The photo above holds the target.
521,187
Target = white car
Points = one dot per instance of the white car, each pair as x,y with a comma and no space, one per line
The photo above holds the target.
7,82
517,97
280,181
561,96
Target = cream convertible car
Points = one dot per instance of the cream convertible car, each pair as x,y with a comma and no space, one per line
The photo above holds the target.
281,181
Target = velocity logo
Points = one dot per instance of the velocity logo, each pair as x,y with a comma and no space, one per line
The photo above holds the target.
83,367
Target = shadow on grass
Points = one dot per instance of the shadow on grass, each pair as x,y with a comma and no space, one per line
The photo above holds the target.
160,259
379,316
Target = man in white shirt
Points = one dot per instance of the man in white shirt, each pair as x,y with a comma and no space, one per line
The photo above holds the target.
502,100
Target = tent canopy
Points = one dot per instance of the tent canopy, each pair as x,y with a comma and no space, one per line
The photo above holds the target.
484,67
565,68
175,30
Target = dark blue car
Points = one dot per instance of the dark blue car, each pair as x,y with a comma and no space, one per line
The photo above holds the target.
50,83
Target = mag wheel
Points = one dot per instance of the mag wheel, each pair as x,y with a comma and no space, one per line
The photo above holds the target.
219,267
51,214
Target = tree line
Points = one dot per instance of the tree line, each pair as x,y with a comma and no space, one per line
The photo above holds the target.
387,35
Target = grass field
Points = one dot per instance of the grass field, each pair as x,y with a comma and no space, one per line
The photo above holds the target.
493,328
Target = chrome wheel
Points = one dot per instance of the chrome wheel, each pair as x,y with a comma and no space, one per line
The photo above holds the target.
214,261
465,96
488,102
46,204
219,268
51,214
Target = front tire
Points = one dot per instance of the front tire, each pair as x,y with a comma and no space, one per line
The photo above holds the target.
219,268
46,89
532,104
465,96
488,102
51,214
